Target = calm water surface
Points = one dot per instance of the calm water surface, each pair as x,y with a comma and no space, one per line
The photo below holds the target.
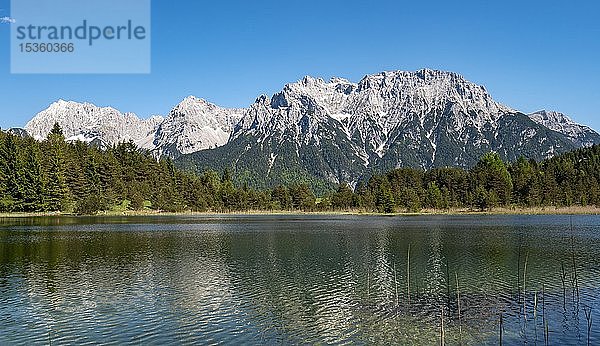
300,280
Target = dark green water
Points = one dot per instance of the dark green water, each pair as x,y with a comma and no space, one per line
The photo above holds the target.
299,280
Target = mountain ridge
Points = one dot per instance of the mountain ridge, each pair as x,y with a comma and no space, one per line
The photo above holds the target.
334,130
580,134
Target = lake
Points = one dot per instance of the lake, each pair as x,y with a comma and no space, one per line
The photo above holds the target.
300,280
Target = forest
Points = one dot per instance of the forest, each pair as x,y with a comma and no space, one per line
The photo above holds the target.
58,176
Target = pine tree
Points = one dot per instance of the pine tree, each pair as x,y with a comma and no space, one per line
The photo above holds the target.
302,197
12,197
281,198
56,188
491,174
227,191
32,180
343,198
481,198
434,196
56,131
524,182
92,199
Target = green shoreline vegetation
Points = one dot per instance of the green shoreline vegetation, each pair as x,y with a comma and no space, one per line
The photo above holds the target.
573,210
53,177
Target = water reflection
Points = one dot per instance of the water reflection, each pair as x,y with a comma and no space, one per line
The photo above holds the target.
297,279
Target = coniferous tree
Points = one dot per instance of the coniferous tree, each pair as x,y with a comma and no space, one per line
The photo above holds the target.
434,196
13,191
524,181
227,191
302,197
53,175
491,174
31,180
92,198
382,192
343,198
56,188
56,131
281,198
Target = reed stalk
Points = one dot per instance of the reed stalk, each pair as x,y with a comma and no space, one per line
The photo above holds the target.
459,312
408,275
501,328
448,282
368,283
396,284
524,287
442,331
588,317
575,279
544,321
519,273
564,286
535,307
575,276
546,334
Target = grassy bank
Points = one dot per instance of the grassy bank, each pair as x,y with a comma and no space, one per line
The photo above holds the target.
576,210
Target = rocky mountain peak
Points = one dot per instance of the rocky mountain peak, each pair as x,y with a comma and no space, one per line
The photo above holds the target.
336,130
193,125
580,135
89,123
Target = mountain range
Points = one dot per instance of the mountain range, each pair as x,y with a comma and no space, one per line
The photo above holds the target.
327,132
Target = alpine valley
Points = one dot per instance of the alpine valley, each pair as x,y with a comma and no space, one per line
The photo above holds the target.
330,132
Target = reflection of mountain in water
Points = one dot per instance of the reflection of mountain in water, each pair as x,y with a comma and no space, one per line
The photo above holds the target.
293,279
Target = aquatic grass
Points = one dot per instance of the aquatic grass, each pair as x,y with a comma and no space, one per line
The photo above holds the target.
575,277
588,316
563,278
459,312
396,285
408,275
544,320
501,328
442,330
448,281
519,273
524,287
535,308
535,304
451,318
368,283
546,334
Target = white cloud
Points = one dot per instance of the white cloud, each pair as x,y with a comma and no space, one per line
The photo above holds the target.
7,20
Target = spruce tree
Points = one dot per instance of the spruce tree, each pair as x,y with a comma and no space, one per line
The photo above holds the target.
13,191
491,174
32,180
56,188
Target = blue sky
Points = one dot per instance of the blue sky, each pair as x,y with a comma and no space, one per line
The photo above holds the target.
529,54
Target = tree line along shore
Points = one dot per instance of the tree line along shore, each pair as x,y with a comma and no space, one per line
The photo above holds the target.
55,176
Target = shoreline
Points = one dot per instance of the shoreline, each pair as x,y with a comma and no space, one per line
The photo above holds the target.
578,210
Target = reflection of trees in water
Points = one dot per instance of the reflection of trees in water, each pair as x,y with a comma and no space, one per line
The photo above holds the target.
487,270
434,278
294,287
74,283
298,287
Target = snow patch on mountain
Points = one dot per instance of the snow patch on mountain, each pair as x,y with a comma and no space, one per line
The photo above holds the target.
380,110
424,118
89,123
581,135
194,125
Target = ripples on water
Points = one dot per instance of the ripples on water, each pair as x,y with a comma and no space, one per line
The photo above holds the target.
298,280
